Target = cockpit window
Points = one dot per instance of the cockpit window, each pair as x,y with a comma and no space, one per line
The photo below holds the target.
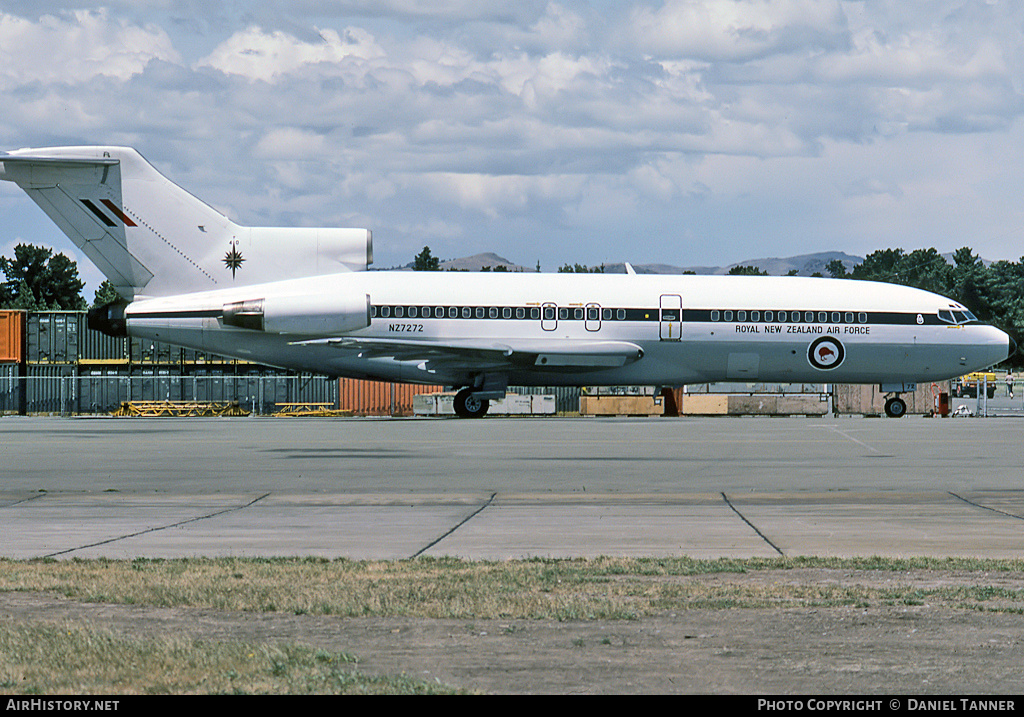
956,316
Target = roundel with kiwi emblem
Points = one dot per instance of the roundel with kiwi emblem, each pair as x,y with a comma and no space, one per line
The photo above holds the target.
826,353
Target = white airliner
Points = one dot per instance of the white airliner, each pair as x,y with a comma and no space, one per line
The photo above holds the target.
303,299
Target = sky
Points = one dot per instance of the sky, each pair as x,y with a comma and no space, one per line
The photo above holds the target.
676,132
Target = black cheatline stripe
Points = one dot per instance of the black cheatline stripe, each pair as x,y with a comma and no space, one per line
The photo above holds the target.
99,214
204,314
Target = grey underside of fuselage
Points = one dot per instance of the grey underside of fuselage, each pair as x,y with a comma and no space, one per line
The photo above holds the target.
664,363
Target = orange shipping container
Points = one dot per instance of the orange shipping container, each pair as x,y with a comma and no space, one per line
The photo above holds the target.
12,329
379,398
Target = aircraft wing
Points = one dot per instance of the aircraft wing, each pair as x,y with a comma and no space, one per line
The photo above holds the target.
477,355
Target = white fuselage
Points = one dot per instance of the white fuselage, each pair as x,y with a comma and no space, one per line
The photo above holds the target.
691,329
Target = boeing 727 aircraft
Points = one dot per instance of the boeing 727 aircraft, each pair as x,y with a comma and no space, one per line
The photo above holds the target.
303,299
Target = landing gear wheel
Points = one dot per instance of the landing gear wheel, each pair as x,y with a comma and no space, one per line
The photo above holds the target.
468,406
895,408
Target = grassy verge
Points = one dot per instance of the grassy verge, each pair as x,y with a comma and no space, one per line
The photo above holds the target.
47,658
77,659
602,588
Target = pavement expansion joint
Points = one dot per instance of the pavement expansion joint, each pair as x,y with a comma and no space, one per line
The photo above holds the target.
455,527
753,527
158,528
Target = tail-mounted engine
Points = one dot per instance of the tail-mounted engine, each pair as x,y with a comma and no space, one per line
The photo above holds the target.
307,314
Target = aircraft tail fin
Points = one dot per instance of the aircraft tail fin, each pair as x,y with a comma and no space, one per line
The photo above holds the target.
152,238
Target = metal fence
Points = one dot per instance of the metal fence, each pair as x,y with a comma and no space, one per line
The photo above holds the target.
66,395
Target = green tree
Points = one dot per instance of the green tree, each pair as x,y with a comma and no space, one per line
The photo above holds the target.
105,294
425,261
580,269
37,279
837,269
747,271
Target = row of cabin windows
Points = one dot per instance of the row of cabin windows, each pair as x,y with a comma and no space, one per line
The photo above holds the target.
551,312
592,313
795,317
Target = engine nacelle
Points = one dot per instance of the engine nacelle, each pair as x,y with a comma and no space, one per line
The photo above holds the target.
326,314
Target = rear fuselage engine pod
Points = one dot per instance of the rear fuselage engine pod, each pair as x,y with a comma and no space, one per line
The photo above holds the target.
326,314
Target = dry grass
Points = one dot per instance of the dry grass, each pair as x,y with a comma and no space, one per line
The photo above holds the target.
77,659
603,588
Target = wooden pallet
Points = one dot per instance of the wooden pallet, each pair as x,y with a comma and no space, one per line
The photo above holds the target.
179,409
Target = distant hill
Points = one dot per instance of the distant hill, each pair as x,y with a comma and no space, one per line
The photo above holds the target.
474,263
479,261
804,264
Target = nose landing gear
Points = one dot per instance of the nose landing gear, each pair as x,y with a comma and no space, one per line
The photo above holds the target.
895,407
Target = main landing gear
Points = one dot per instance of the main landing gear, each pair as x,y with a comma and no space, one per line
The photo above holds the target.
469,405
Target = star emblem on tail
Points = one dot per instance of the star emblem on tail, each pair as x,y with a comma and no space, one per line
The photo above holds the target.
233,259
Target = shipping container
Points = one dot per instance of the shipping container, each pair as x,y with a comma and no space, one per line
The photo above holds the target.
102,390
149,351
567,398
156,384
51,337
50,389
12,333
12,389
96,347
379,398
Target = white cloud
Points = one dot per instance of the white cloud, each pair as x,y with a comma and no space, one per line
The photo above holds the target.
259,55
76,47
290,143
738,30
544,129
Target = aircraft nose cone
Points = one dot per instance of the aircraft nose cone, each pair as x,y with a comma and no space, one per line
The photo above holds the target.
1012,347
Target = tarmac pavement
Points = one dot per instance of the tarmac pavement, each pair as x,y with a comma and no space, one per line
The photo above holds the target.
503,488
